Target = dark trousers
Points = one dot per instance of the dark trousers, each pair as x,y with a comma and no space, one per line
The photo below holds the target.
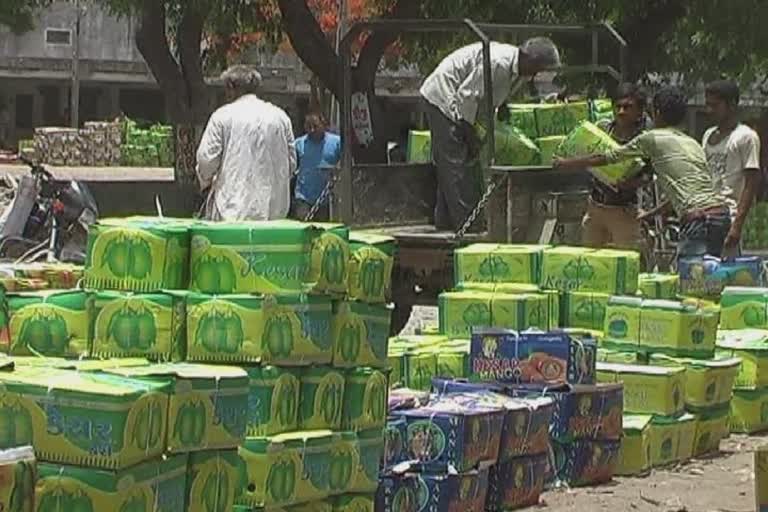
459,179
704,236
300,209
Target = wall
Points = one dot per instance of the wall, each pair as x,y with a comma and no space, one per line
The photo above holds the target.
102,36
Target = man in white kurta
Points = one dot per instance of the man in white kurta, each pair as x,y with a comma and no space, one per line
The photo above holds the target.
246,157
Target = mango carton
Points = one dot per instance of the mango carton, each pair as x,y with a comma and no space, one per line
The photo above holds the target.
80,365
289,330
159,484
460,312
635,453
744,308
516,483
711,428
297,467
395,434
513,147
560,118
329,259
678,328
351,503
581,411
495,263
452,492
272,257
672,439
659,286
540,358
361,333
749,411
647,389
523,117
273,400
585,310
448,433
137,255
520,312
212,480
587,139
708,276
321,398
419,146
365,400
83,418
18,474
453,359
49,323
525,431
370,447
761,479
420,367
605,355
582,269
548,147
370,267
152,326
601,109
751,346
585,462
708,382
208,408
622,324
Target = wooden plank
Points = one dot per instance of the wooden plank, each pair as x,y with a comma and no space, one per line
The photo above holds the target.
98,174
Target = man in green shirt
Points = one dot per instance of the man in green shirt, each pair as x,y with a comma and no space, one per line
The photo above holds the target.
683,176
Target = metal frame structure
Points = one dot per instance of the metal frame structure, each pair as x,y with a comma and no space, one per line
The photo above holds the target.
482,31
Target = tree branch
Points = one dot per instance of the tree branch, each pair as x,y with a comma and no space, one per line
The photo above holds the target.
310,43
189,37
377,43
153,46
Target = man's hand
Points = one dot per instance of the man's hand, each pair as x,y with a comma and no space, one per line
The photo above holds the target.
734,237
503,114
471,139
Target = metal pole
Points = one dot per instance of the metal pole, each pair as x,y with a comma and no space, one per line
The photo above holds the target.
74,106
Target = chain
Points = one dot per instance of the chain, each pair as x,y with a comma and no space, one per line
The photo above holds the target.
322,199
494,183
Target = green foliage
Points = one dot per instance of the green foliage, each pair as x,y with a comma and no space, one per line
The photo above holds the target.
19,15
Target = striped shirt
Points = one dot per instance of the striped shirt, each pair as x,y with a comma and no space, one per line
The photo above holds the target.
680,164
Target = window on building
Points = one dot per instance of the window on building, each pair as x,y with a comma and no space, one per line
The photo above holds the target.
58,36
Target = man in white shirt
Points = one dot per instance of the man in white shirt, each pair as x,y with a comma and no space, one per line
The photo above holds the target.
733,154
246,157
454,93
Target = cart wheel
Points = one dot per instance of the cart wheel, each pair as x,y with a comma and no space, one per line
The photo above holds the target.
400,316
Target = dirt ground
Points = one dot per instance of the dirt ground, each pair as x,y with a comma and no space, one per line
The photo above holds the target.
722,483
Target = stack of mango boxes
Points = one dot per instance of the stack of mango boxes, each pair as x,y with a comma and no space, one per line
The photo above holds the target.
531,136
301,308
677,390
542,385
744,334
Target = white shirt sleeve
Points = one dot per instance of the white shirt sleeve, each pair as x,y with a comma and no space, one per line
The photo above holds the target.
749,151
468,95
290,140
209,154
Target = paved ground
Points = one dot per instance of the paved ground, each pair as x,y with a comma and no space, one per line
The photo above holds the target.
724,483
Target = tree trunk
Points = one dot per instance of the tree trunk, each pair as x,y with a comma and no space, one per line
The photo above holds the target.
181,81
311,45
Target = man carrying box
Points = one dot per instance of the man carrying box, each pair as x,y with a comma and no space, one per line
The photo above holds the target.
684,177
733,153
453,94
611,218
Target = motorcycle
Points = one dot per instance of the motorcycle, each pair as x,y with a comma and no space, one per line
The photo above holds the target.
48,218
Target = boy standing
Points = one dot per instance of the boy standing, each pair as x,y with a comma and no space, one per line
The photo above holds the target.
733,153
683,175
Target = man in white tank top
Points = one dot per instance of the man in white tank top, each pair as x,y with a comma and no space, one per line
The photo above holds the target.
733,155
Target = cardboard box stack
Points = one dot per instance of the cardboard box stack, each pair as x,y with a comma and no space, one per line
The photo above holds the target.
531,137
213,365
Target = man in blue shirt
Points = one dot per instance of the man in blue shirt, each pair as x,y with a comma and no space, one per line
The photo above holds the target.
318,152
